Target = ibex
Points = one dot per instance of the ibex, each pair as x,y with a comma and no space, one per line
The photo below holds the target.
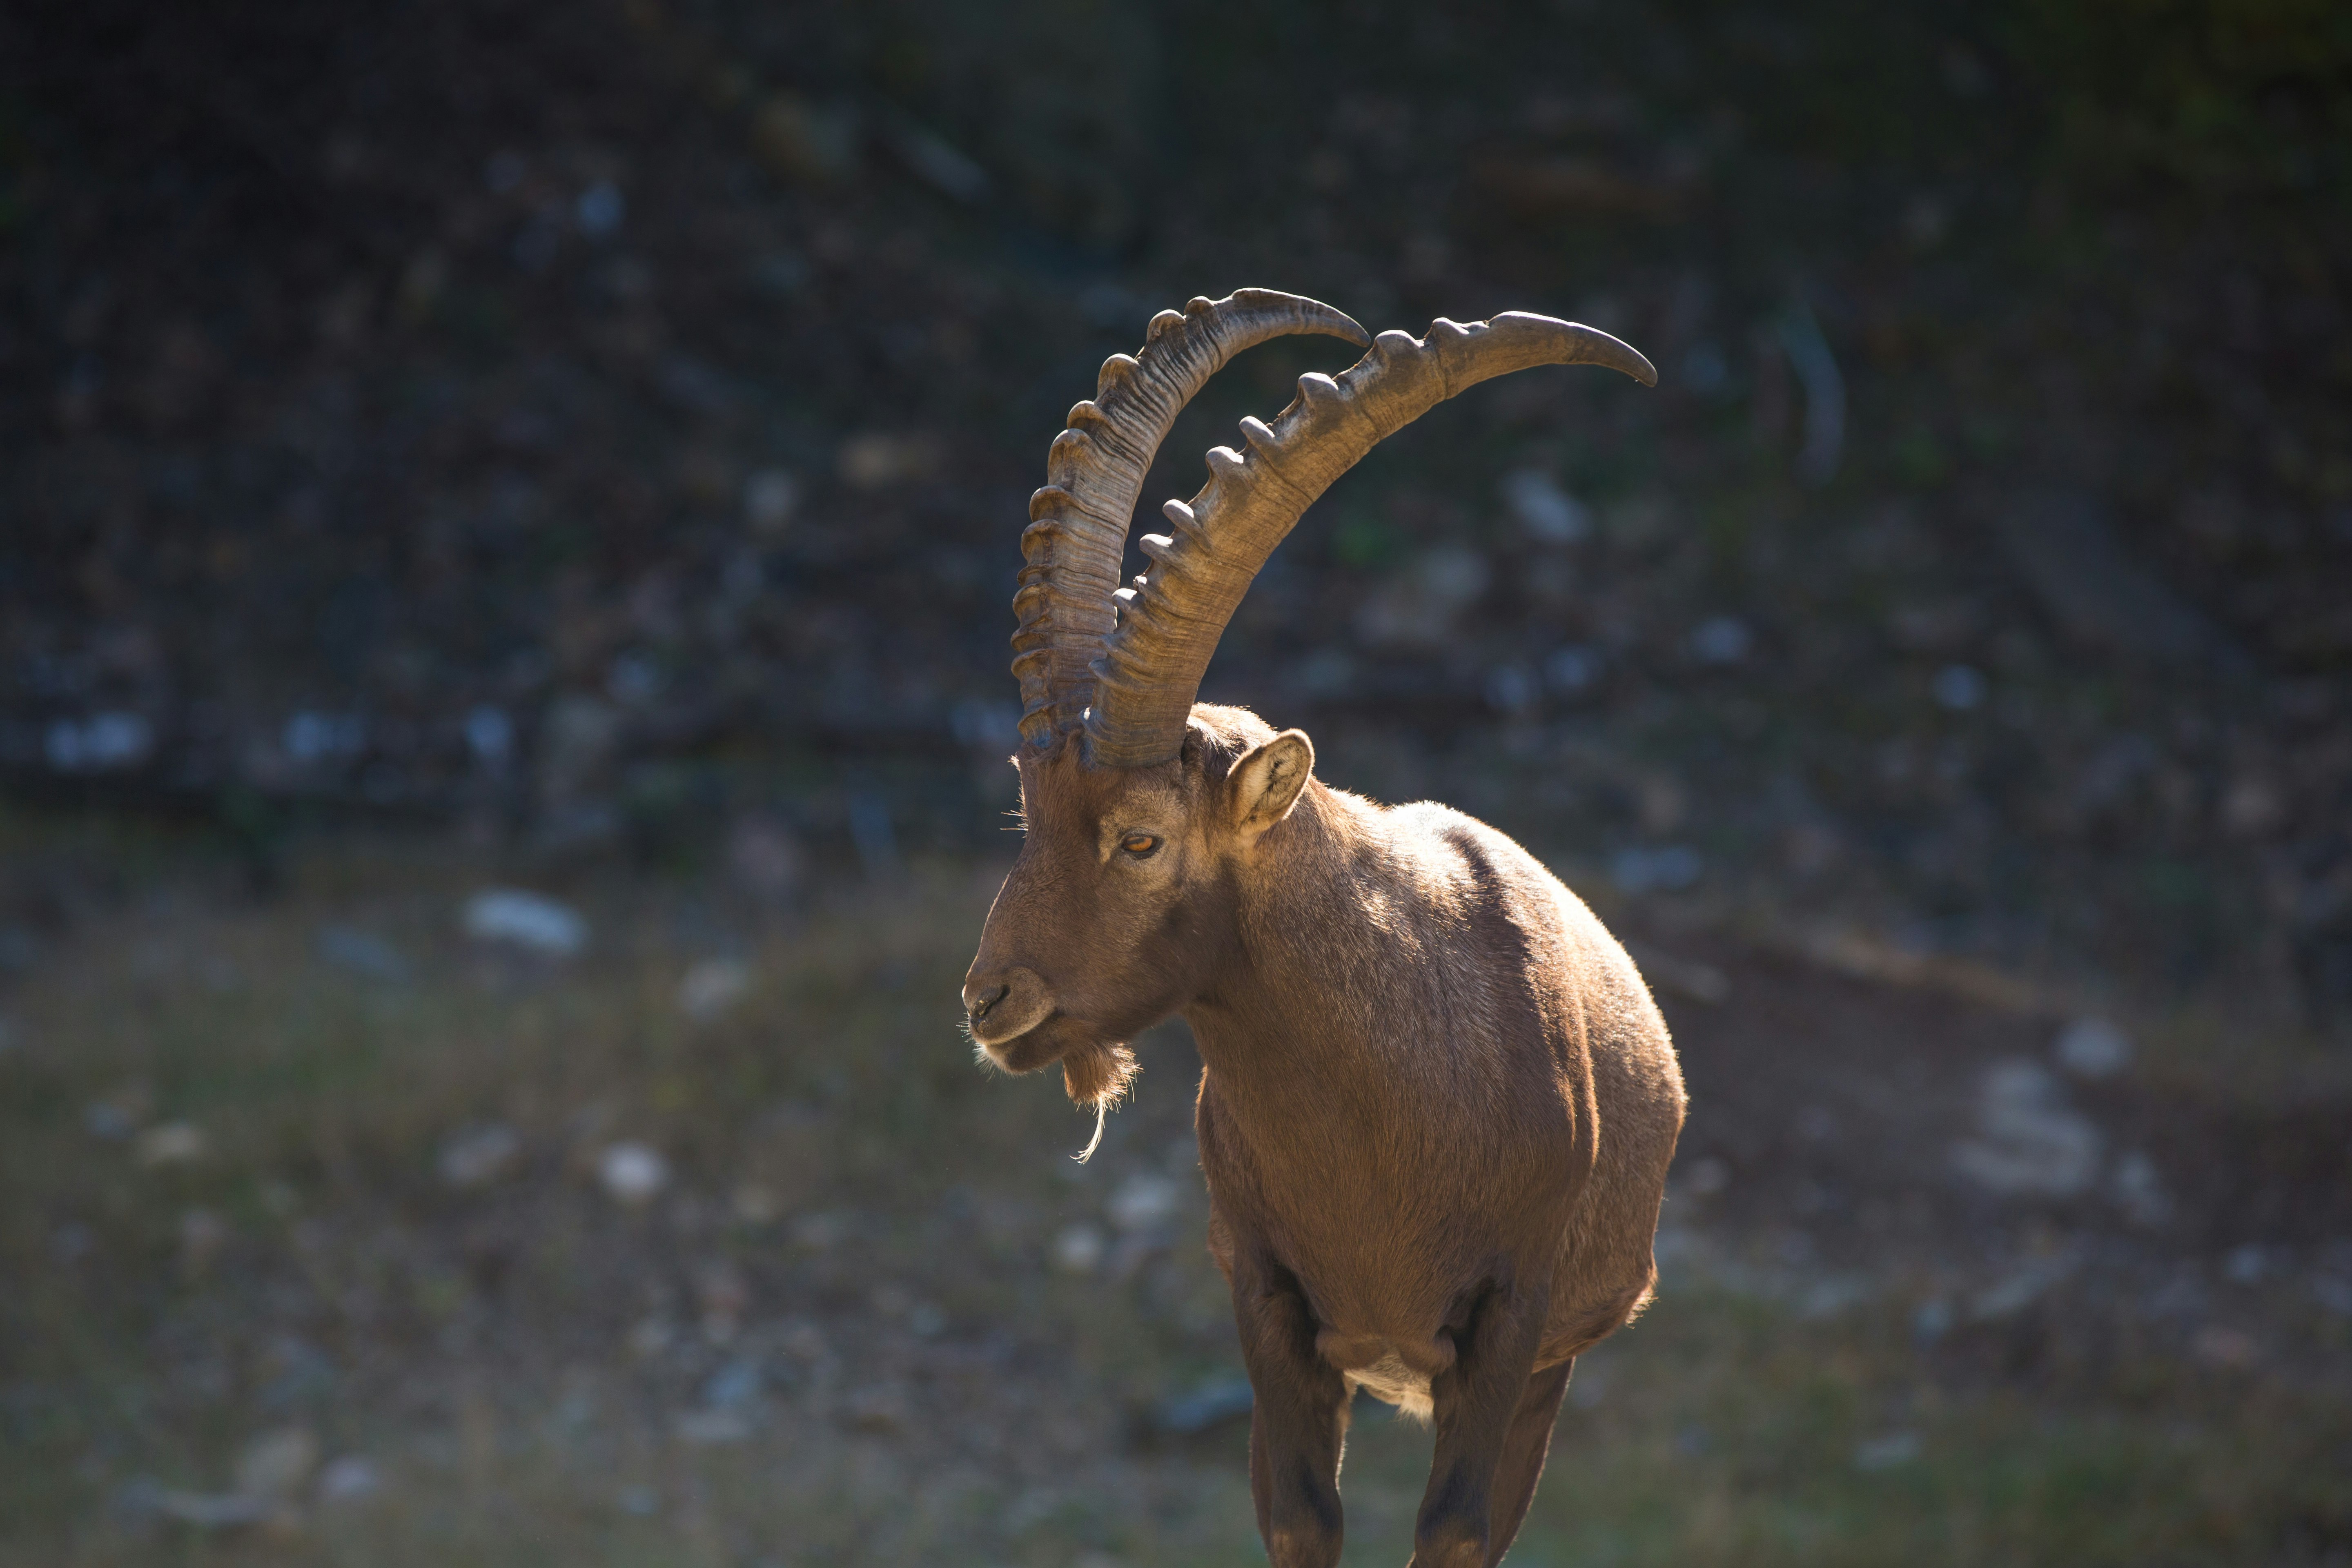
1437,1103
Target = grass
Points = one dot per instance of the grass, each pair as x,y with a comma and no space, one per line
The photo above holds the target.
519,1362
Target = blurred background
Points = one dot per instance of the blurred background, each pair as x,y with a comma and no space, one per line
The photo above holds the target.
507,527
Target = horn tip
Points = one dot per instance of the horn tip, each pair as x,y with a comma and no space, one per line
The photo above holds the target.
1629,359
1341,324
1593,346
1310,314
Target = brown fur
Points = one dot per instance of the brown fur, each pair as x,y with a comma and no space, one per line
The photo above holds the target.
1436,1106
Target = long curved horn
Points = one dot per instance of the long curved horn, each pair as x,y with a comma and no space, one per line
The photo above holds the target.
1077,532
1170,621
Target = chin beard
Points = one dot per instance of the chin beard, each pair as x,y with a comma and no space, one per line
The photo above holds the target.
1094,1073
1097,1075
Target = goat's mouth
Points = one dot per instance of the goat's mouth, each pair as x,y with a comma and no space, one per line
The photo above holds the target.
1094,1071
1041,1045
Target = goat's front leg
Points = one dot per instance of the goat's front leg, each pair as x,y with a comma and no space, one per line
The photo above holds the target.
1299,1419
1474,1402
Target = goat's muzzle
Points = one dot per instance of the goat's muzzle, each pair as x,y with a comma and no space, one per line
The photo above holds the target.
1004,1005
979,1009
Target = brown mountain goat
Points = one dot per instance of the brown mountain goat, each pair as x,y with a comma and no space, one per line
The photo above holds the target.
1437,1103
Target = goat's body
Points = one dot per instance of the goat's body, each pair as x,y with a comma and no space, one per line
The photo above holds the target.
1438,1105
1436,1109
1431,1074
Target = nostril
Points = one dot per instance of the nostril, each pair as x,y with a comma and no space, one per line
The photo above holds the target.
979,1008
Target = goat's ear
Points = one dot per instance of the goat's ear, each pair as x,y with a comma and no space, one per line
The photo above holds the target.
1265,784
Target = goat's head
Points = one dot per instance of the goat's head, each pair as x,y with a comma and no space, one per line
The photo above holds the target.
1144,810
1121,902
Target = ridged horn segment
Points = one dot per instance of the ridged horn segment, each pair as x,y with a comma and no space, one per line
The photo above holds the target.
1077,528
1170,621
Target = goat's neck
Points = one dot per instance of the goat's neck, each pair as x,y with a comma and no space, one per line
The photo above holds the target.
1284,1015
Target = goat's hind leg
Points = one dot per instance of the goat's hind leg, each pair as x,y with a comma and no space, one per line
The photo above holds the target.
1477,1403
1524,1447
1298,1421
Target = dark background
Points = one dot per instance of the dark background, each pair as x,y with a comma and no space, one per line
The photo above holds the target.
584,441
337,409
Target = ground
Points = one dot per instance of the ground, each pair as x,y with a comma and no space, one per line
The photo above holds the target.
323,1250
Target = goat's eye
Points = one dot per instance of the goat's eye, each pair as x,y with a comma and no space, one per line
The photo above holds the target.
1138,844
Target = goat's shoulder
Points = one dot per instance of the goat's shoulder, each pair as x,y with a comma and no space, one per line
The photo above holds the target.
1430,869
1481,872
1460,859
